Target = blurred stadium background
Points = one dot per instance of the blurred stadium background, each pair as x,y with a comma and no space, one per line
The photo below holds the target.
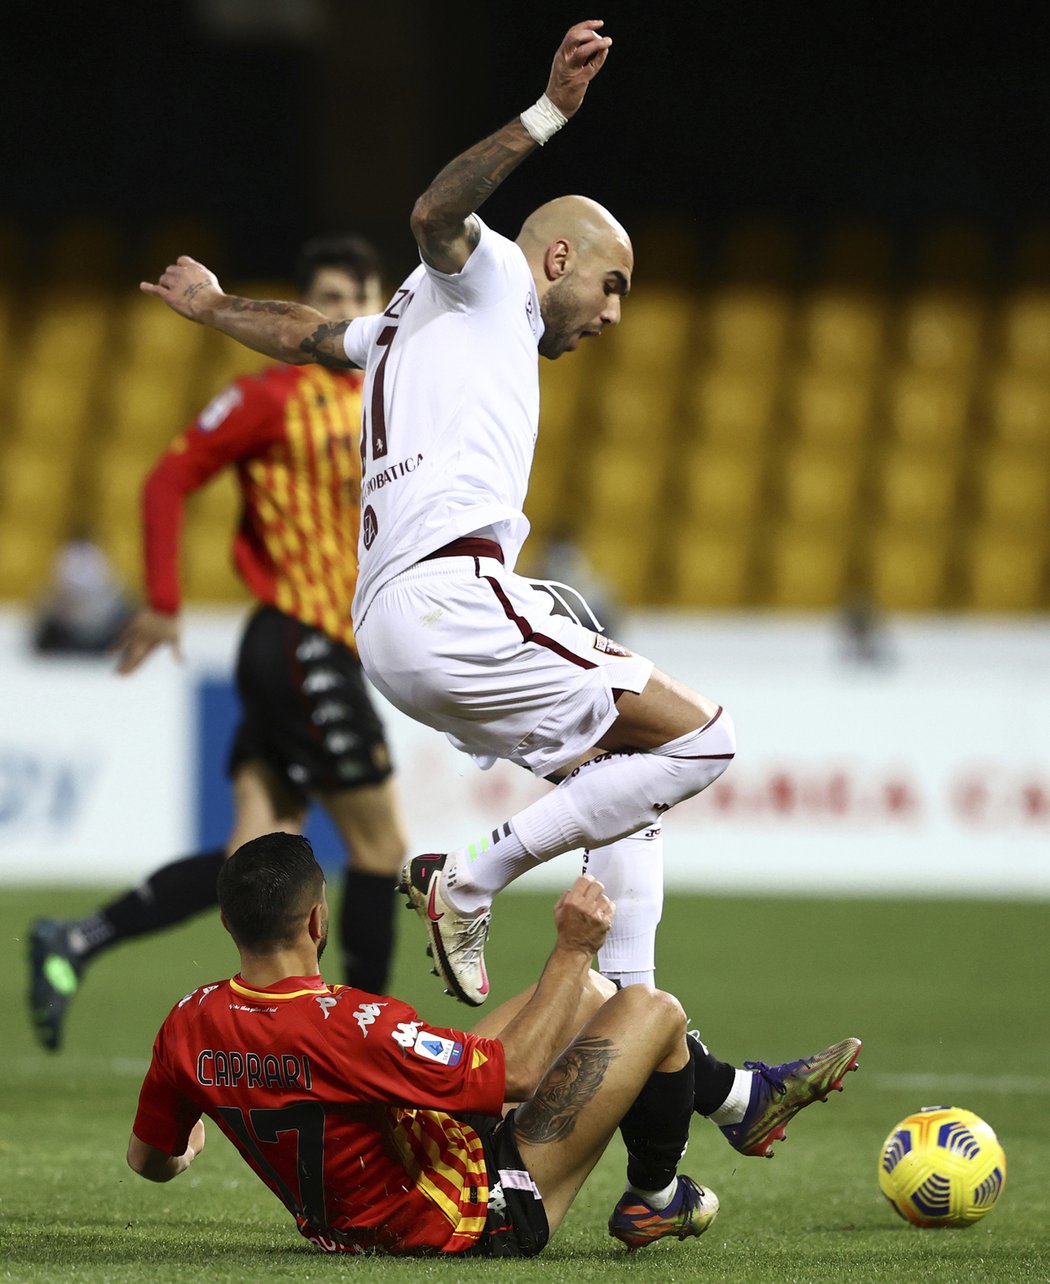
822,429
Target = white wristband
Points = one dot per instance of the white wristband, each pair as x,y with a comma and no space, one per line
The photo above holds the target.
543,120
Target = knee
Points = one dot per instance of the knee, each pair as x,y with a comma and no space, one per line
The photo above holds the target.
653,1014
697,760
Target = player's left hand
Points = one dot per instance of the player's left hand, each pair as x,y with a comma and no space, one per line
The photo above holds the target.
583,916
581,55
144,632
187,287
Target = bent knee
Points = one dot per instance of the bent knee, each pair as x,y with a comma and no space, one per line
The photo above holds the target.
652,1008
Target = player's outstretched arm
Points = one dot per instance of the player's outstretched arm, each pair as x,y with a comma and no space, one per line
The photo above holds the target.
289,332
441,220
542,1028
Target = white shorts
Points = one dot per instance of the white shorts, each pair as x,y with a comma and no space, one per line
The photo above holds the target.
475,651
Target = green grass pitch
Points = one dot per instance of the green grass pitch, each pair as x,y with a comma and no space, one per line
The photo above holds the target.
950,998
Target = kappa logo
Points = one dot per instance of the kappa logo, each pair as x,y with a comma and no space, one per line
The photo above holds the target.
325,1002
406,1033
366,1015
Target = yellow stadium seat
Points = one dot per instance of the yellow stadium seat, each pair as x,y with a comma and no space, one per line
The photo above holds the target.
1019,408
819,487
760,250
857,254
807,568
917,488
51,404
1026,331
623,557
844,330
637,406
154,337
910,570
655,334
145,409
1006,571
1014,488
567,406
943,331
733,407
721,487
621,482
831,408
83,249
748,327
222,362
955,254
711,568
15,252
1032,263
25,560
71,327
928,409
122,544
666,248
114,489
37,487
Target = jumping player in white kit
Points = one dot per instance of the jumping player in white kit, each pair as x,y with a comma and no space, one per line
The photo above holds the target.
446,630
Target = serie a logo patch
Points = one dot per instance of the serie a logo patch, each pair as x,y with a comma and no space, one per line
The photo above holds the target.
435,1047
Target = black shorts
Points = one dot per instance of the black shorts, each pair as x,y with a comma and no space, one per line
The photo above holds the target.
516,1225
307,711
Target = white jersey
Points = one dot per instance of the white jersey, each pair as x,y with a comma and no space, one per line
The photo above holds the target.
450,411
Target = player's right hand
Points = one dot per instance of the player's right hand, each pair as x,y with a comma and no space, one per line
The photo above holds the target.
581,55
583,916
143,633
187,287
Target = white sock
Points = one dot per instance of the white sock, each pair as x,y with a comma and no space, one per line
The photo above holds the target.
656,1198
733,1109
607,798
617,794
632,871
474,874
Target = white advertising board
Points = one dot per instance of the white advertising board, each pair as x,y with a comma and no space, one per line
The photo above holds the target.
927,774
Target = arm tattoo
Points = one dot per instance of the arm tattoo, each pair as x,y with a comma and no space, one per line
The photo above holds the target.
268,306
570,1085
470,179
325,345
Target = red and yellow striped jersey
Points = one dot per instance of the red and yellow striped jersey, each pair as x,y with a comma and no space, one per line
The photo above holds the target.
293,435
346,1104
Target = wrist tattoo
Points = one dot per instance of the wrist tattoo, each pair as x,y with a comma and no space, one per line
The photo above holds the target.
570,1084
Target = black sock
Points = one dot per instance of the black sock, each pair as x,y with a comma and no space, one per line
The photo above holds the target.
366,929
656,1128
171,894
713,1079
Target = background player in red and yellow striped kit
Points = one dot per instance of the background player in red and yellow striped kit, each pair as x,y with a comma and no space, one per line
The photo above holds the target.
309,729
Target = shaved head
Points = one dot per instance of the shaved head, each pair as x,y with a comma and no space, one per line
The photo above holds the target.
581,261
572,218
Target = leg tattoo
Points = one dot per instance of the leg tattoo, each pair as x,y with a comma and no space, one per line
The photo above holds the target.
550,1114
